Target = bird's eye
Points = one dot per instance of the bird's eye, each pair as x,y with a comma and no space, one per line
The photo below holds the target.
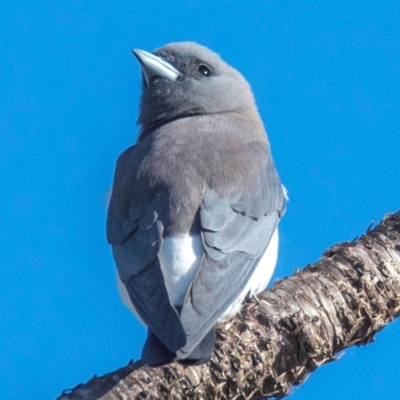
204,70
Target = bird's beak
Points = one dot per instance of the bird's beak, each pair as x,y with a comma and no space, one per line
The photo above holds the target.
154,66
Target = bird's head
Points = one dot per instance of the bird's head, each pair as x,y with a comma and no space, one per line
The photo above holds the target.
186,79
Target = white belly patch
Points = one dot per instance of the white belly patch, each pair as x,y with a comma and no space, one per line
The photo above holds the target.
180,259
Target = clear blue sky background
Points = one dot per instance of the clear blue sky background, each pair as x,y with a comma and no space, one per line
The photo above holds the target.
326,77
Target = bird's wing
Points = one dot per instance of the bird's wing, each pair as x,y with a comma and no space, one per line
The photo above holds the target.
135,233
236,230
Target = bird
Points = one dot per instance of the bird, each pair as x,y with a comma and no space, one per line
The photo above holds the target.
195,203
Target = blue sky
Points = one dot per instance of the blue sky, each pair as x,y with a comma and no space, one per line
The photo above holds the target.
326,77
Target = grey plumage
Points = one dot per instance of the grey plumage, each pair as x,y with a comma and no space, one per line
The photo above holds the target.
201,166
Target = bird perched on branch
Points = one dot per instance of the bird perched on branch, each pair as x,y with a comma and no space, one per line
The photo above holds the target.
195,203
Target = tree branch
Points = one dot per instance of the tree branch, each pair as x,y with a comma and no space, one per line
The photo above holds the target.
276,342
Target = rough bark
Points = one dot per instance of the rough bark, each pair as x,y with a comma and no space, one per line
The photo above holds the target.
276,342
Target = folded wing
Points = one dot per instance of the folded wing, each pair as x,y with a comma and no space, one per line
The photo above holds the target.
237,227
